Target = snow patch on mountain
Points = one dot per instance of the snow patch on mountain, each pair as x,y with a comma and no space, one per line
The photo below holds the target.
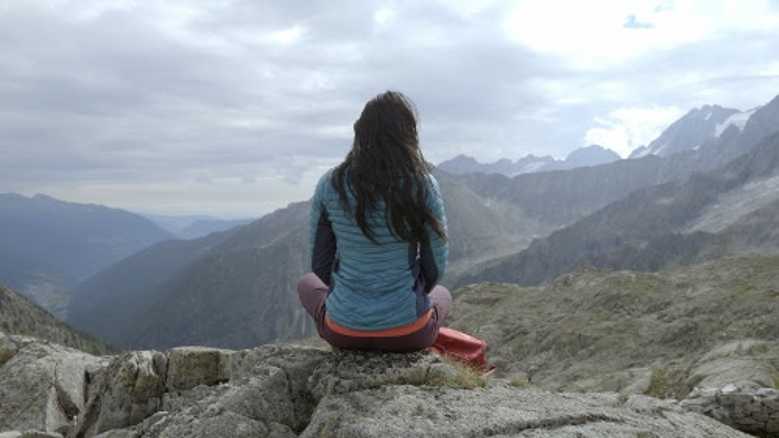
693,130
739,120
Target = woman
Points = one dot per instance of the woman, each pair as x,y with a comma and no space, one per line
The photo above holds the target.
378,239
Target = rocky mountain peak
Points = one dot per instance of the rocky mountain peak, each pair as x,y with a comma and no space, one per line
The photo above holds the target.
592,155
689,133
586,156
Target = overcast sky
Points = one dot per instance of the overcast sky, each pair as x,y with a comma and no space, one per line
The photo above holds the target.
234,108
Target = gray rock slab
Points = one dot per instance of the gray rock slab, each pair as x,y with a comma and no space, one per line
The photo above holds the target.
409,411
43,386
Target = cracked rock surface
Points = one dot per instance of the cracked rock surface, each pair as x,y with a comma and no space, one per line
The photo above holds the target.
42,385
290,390
502,411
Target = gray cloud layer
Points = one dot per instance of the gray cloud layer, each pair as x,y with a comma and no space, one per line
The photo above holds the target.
236,107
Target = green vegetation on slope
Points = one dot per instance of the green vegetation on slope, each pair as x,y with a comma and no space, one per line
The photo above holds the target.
626,331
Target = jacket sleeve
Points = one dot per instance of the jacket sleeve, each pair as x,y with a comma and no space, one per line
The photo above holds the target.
435,251
322,244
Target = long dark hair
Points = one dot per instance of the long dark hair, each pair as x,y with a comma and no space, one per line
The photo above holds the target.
386,163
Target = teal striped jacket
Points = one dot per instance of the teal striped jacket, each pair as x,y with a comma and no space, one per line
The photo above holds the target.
373,286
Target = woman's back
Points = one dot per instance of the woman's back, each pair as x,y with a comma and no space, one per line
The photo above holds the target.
378,238
375,283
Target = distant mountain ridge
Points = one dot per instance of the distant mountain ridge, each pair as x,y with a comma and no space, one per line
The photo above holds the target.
465,164
491,217
660,226
49,245
587,156
689,132
696,129
236,288
193,227
248,272
562,197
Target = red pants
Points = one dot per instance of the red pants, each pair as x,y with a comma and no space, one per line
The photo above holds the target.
313,292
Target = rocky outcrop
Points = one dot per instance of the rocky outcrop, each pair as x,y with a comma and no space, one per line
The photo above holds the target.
292,390
43,386
753,410
735,383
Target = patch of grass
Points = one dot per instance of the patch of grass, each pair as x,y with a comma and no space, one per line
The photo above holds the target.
460,376
669,382
762,348
519,382
659,384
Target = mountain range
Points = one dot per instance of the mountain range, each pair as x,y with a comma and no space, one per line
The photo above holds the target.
587,156
693,130
622,283
699,127
48,245
236,288
730,209
525,229
194,226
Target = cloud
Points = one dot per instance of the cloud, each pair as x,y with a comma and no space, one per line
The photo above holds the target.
384,16
597,36
625,129
129,103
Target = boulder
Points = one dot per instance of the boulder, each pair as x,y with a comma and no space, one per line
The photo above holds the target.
733,383
193,366
194,391
743,363
752,410
42,385
128,391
